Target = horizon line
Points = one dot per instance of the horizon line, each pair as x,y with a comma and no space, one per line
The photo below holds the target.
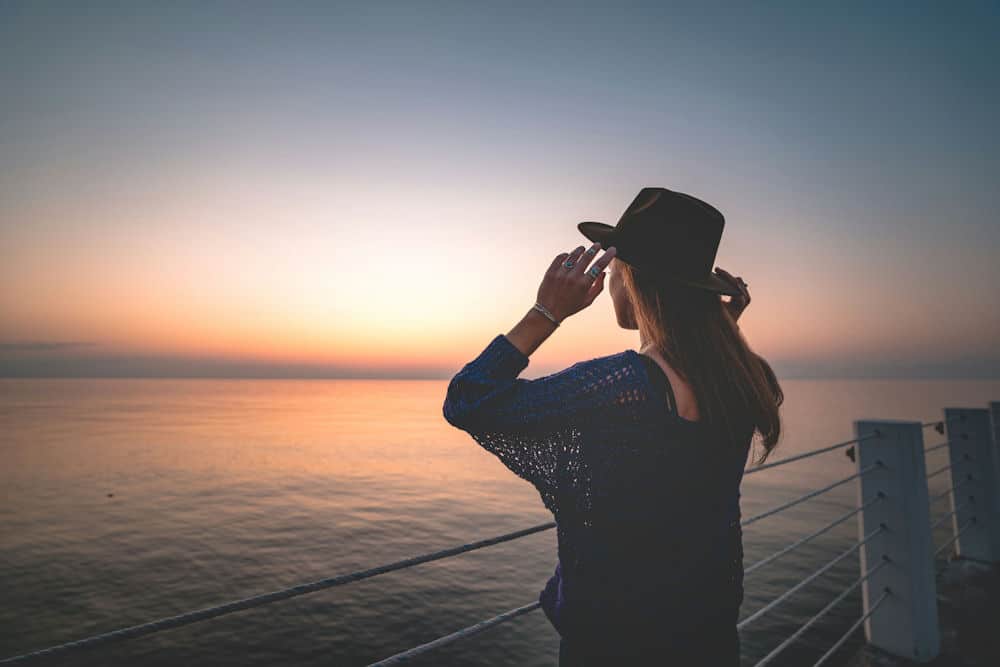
425,378
139,367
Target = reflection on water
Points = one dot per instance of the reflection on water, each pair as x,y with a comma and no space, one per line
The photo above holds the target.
129,500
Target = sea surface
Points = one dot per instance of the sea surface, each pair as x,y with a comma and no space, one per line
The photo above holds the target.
124,501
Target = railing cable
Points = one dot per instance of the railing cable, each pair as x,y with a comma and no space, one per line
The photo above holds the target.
455,636
805,455
794,545
934,448
188,618
812,577
852,629
939,471
940,496
954,537
950,514
822,612
952,489
939,423
811,494
822,450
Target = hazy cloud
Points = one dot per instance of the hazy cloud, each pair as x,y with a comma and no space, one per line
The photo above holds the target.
44,346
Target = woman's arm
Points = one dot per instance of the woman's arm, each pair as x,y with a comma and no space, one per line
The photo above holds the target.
487,396
480,395
530,424
526,423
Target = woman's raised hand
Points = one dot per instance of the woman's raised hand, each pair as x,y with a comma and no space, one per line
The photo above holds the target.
569,284
736,304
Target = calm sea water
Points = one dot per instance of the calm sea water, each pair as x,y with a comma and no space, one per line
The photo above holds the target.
129,500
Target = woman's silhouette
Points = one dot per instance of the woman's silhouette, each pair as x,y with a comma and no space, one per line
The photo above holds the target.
639,455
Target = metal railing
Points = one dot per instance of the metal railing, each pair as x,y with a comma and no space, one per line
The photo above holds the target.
971,486
874,545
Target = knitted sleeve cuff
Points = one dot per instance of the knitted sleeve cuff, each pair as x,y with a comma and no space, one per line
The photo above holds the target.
500,359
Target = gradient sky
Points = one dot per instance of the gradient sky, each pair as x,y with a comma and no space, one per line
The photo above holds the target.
376,190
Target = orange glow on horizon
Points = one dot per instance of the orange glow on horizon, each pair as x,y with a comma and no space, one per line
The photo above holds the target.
363,280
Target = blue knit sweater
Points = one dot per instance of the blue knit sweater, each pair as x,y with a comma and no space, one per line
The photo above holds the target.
647,506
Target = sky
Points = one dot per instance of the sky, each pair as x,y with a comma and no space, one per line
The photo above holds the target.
376,189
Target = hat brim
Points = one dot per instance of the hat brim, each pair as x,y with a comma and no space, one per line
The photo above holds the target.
603,233
598,232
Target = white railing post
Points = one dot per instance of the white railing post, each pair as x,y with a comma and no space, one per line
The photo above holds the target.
907,623
973,465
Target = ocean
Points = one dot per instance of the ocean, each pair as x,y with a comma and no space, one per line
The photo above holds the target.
128,500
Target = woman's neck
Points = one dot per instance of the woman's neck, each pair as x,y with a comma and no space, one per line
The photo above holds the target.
644,343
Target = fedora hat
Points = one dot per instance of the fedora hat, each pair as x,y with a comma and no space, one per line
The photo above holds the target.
669,235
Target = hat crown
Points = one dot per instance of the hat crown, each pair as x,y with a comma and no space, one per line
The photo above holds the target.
669,233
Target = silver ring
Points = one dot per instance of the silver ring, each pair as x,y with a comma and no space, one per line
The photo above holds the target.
569,264
593,272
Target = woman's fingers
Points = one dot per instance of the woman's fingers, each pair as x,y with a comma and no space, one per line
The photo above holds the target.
602,262
735,281
736,304
596,288
576,254
728,277
589,254
558,262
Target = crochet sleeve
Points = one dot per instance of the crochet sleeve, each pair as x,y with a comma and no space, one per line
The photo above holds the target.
532,426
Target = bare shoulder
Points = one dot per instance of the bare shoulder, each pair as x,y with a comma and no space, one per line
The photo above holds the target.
687,406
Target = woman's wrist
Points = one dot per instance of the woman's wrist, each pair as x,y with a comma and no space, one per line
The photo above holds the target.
546,312
531,331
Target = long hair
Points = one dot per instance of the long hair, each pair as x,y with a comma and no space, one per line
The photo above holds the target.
735,388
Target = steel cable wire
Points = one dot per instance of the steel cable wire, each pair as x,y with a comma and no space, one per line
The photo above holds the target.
267,598
794,545
812,577
455,636
950,514
852,629
939,471
954,537
822,612
814,452
811,494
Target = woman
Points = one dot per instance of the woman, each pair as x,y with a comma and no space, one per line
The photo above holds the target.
639,455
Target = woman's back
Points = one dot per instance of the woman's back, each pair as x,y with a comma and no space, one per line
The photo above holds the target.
650,542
